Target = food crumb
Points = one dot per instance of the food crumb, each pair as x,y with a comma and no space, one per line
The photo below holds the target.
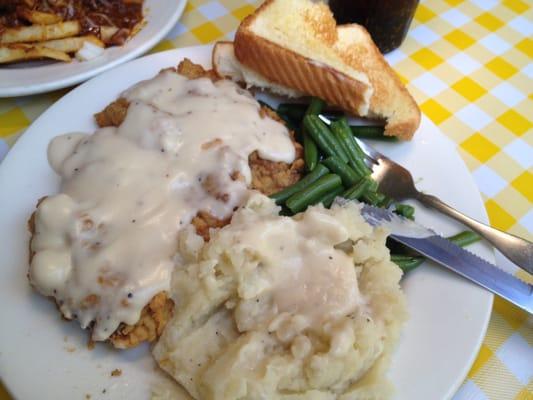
90,344
70,349
87,397
116,372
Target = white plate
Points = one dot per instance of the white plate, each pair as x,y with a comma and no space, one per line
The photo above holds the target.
448,315
39,77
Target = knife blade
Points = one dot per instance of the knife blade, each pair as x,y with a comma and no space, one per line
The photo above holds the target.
442,251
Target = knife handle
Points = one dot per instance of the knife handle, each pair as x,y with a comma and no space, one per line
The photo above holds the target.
518,250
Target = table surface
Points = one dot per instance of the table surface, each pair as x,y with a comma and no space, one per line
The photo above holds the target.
468,63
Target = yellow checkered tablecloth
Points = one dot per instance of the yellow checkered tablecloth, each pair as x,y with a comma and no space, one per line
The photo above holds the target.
469,65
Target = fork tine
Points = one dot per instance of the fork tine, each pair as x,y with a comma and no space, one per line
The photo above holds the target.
369,150
369,162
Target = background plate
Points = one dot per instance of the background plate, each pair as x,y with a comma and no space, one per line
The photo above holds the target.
39,77
41,354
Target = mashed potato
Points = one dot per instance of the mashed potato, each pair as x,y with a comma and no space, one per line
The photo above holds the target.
274,307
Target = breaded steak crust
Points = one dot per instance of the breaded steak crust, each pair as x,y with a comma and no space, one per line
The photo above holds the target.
267,177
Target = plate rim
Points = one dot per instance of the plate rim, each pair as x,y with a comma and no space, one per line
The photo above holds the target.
488,306
76,78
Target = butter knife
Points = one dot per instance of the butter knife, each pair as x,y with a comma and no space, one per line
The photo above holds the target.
442,251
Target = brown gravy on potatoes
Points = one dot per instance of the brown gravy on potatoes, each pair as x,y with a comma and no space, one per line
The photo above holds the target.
104,246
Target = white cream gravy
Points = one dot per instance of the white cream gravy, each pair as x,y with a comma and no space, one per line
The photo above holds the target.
301,274
104,245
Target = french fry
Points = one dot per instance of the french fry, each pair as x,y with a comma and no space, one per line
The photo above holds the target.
49,36
73,44
22,52
107,32
40,33
136,29
38,17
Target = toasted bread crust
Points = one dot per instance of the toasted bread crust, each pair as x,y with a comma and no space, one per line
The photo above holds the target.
213,56
388,89
288,68
226,66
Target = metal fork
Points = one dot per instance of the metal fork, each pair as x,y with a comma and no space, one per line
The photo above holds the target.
397,182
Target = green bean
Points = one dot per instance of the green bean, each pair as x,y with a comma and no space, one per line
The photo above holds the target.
371,132
373,185
387,201
380,197
315,106
360,166
358,153
294,110
283,195
341,130
285,212
328,198
464,238
310,152
405,210
313,192
323,137
373,198
289,122
310,149
406,263
348,175
357,191
298,111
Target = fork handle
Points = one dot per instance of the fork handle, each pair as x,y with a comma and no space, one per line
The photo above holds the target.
518,250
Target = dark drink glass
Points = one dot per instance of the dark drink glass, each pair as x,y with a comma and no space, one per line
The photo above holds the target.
387,21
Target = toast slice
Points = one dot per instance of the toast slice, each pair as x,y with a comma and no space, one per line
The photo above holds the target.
297,44
226,65
391,100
